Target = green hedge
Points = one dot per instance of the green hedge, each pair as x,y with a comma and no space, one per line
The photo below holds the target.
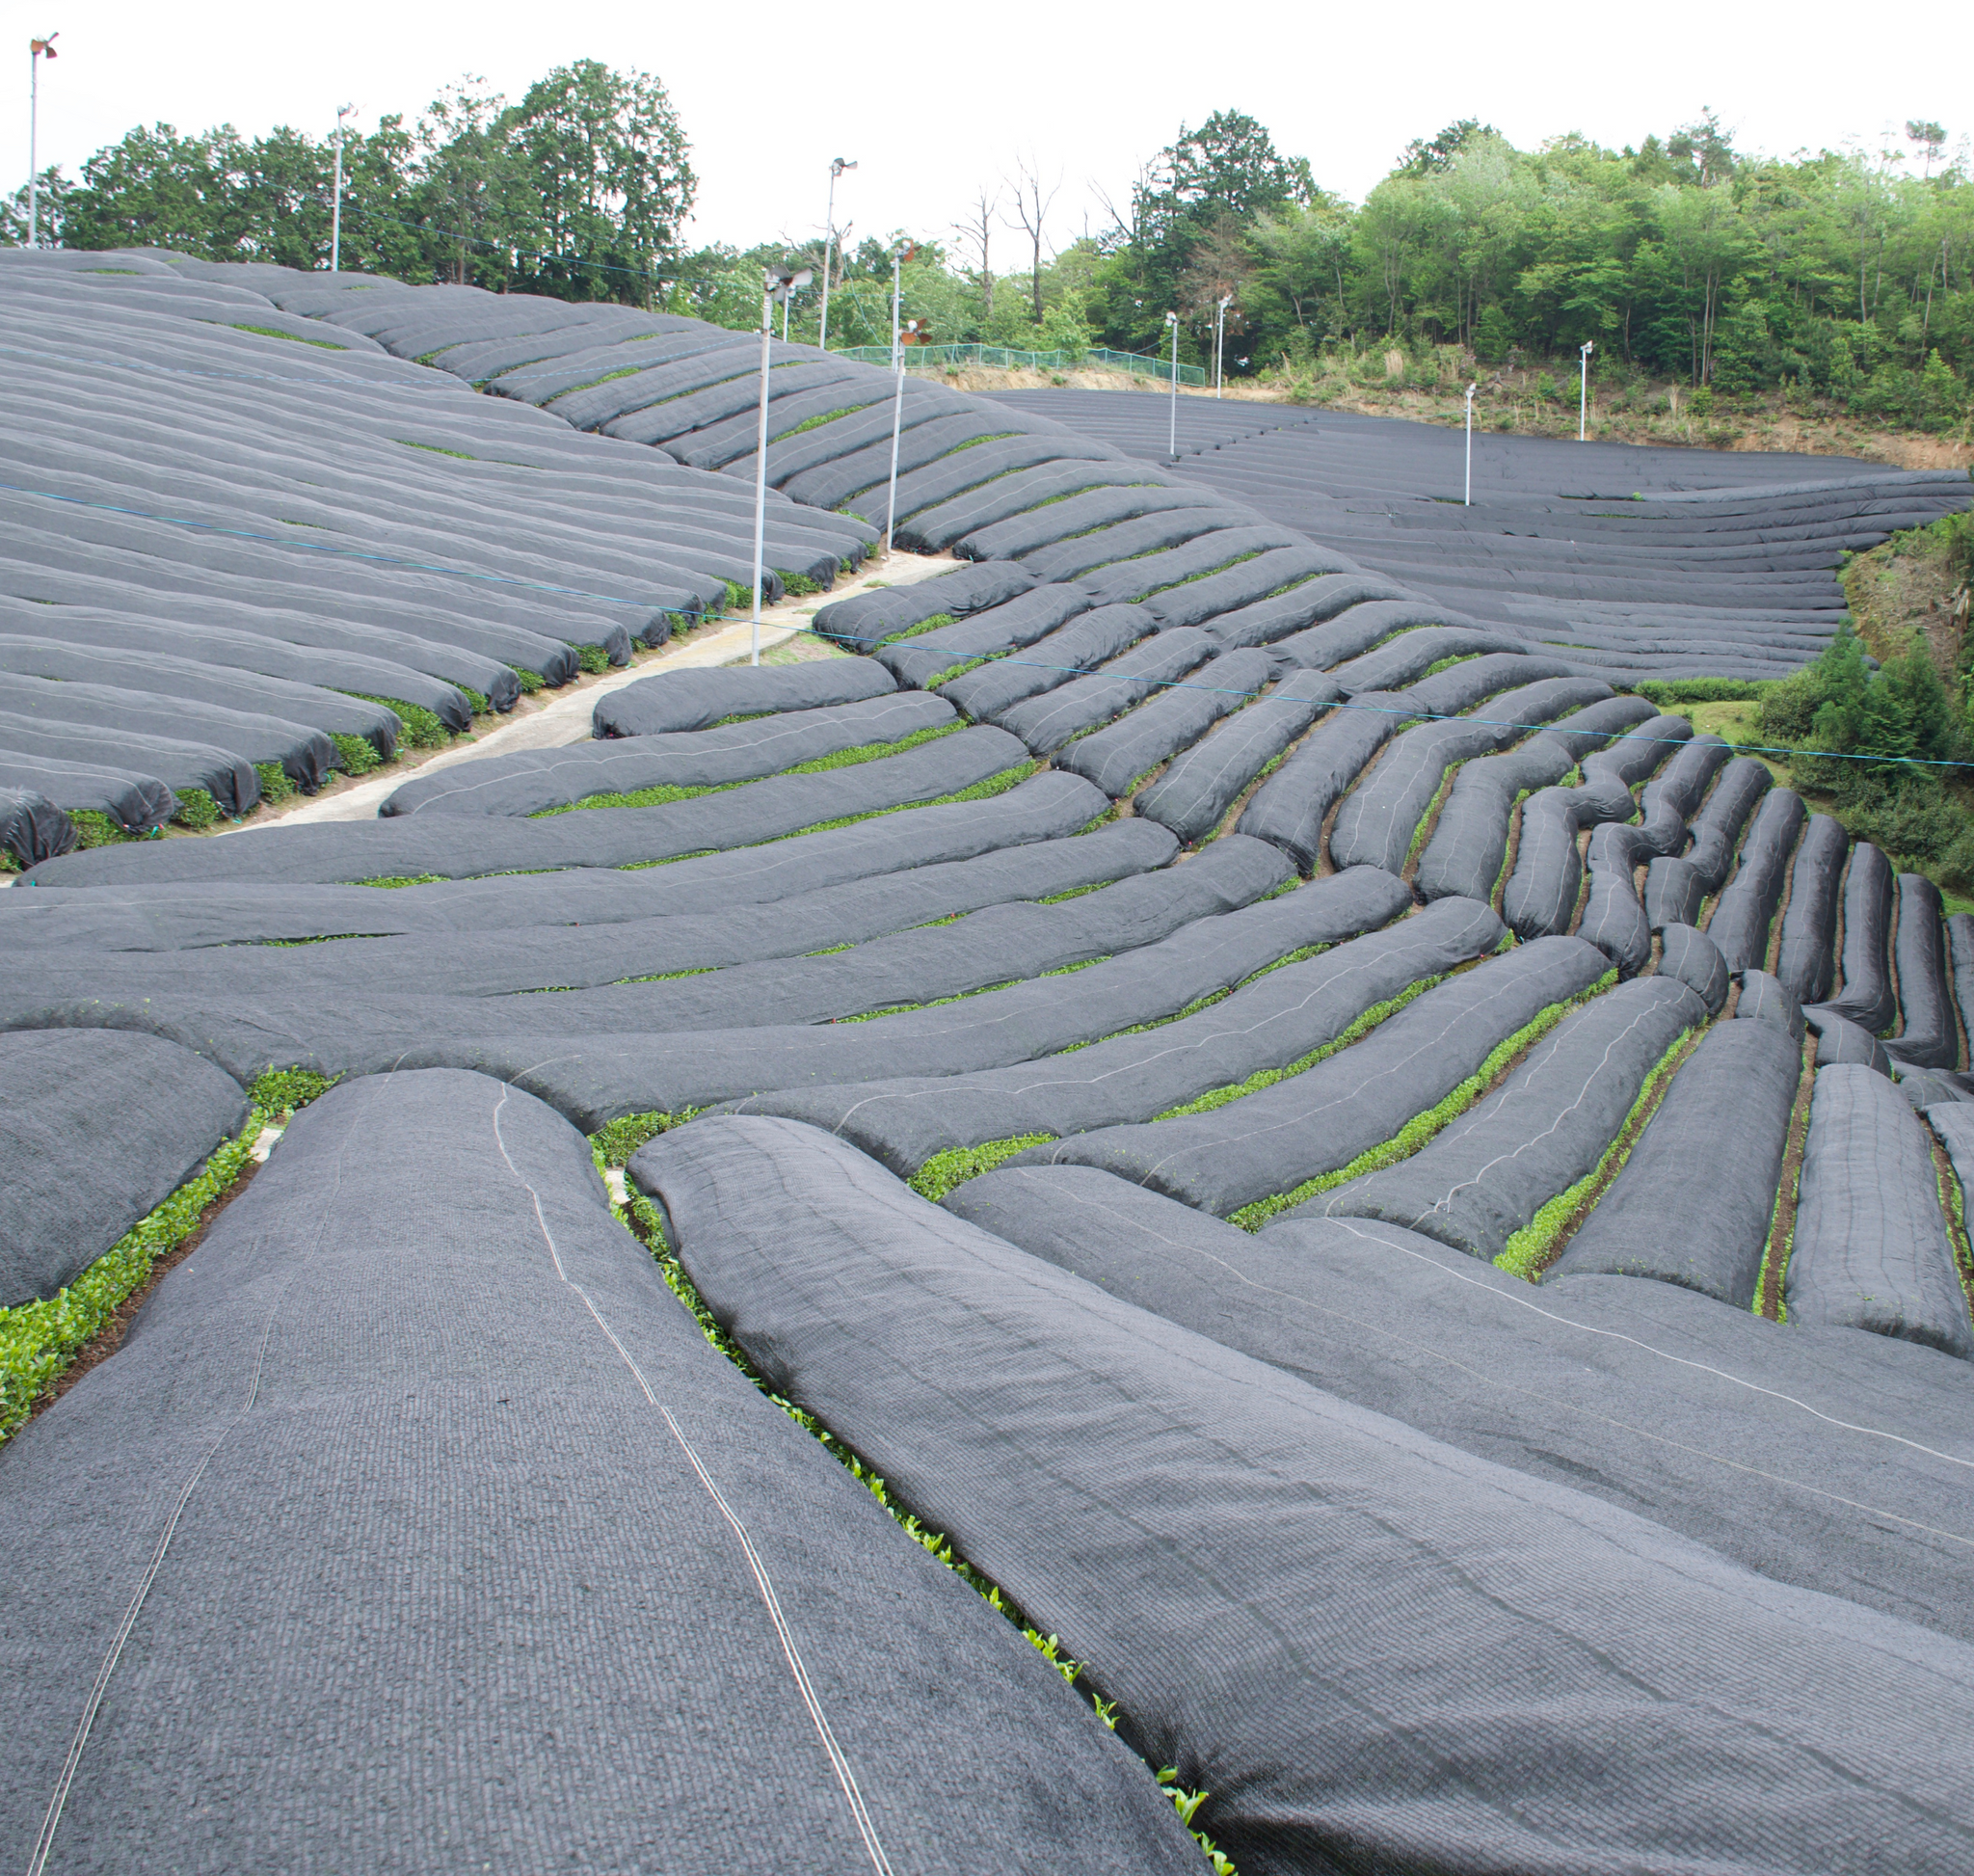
1702,690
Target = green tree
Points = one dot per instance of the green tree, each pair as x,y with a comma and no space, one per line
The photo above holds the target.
611,182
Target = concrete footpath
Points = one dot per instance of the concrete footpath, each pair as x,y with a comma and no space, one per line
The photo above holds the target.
552,719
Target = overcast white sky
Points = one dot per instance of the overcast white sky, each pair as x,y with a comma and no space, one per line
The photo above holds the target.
769,93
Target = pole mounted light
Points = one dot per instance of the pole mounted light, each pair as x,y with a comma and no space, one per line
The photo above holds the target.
1220,338
1589,346
335,216
900,254
837,166
776,285
36,51
1172,320
1468,498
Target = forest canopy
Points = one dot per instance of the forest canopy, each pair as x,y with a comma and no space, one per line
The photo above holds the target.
1847,274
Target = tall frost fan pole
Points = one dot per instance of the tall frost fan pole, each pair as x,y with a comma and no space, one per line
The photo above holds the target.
335,215
1172,320
1584,389
898,257
776,284
829,241
36,51
1468,497
1220,339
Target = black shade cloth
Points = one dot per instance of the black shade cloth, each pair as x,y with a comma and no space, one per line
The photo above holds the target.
1049,808
1146,534
1764,998
1929,1037
979,501
1749,903
1871,1248
1314,601
1202,784
1291,807
1266,1025
1614,919
177,680
135,804
1056,659
96,1129
1379,821
1318,1122
595,1078
1838,1039
1123,754
697,700
306,754
456,847
867,618
1136,677
530,781
1469,845
1692,959
564,953
1022,534
1806,959
1547,1126
1807,1454
1673,892
1717,828
1694,1201
1408,656
1194,601
456,1459
157,761
32,827
1960,935
1371,1648
926,656
1865,995
364,1028
240,651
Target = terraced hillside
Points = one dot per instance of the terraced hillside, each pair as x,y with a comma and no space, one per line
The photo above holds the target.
1633,562
1307,1234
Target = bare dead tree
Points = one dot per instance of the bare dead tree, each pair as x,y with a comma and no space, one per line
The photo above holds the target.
979,229
1123,221
1032,203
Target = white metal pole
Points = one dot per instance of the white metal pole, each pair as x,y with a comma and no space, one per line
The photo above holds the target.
829,244
1468,497
335,219
1172,449
1220,341
33,112
1583,391
36,51
767,327
786,300
897,405
836,169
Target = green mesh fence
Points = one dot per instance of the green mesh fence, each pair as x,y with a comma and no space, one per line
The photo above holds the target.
938,357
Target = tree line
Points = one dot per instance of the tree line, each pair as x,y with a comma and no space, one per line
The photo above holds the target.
1843,274
578,189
